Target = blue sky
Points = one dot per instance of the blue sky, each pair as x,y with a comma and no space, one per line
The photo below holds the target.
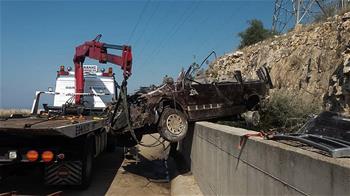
38,36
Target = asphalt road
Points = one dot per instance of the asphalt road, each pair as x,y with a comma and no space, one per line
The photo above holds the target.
149,176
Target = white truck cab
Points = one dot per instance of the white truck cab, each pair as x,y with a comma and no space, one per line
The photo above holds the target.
99,87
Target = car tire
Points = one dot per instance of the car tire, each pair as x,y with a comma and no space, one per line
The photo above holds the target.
173,125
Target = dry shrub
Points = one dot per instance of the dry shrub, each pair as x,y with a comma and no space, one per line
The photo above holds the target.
331,10
287,110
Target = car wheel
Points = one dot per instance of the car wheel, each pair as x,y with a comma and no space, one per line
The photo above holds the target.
252,118
173,125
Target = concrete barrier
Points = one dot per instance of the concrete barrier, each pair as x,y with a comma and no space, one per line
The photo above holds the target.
261,167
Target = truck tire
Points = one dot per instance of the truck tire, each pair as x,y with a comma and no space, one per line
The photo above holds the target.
87,161
111,143
126,139
104,140
173,125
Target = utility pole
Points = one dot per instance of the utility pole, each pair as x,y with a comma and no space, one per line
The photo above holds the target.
297,10
289,13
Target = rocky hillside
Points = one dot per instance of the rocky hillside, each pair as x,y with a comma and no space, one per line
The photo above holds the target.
312,60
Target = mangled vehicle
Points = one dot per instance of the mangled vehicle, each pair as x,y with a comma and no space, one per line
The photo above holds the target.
169,108
329,132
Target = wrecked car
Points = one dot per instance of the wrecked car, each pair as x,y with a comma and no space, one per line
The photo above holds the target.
169,108
328,124
328,132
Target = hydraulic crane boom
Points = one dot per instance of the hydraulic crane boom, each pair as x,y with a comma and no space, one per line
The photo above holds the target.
98,50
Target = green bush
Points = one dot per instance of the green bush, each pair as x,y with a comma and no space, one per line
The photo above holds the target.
254,33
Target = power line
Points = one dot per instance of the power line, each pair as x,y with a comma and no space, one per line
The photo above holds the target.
176,28
162,40
224,22
147,23
138,21
146,43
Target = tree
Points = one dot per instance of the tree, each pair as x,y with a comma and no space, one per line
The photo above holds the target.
254,33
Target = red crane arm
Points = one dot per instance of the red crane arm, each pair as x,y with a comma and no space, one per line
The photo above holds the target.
98,51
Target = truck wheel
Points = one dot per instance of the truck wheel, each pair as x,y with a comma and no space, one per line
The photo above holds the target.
173,125
126,140
111,143
104,140
87,163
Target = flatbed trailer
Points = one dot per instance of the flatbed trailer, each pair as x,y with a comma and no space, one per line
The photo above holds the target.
64,146
65,137
64,126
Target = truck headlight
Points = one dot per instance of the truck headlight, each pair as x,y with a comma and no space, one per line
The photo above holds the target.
12,155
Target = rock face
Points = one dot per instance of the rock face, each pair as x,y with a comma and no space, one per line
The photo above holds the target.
313,60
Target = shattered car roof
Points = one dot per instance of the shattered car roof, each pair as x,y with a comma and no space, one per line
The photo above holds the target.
329,124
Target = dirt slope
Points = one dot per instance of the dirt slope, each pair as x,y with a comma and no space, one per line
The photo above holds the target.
312,60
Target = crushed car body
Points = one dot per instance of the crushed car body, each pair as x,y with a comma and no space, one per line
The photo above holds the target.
169,107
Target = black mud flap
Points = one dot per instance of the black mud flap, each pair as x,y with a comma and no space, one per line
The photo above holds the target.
65,173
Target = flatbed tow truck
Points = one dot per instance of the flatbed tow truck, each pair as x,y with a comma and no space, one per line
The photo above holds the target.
64,146
63,139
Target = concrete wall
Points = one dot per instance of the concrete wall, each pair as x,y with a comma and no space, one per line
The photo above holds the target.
265,167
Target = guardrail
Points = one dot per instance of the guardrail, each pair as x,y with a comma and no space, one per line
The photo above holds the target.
260,167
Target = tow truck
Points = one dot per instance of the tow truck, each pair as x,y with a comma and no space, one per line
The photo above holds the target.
65,137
